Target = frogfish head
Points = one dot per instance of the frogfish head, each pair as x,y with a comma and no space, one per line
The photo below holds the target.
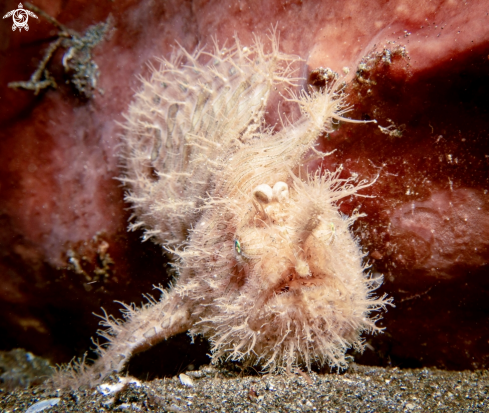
297,291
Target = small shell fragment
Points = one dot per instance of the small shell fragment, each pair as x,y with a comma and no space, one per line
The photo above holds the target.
43,405
186,380
113,389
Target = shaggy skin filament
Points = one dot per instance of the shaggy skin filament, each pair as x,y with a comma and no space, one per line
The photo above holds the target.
268,269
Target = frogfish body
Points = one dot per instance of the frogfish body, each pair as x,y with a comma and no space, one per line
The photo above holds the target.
267,267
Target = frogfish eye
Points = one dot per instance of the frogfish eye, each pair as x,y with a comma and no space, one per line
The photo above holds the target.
237,246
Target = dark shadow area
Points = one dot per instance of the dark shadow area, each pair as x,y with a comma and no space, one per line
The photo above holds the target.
170,357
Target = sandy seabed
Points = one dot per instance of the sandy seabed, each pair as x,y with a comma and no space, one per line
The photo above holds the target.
360,389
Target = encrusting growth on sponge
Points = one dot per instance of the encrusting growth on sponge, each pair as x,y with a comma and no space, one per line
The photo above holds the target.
268,269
